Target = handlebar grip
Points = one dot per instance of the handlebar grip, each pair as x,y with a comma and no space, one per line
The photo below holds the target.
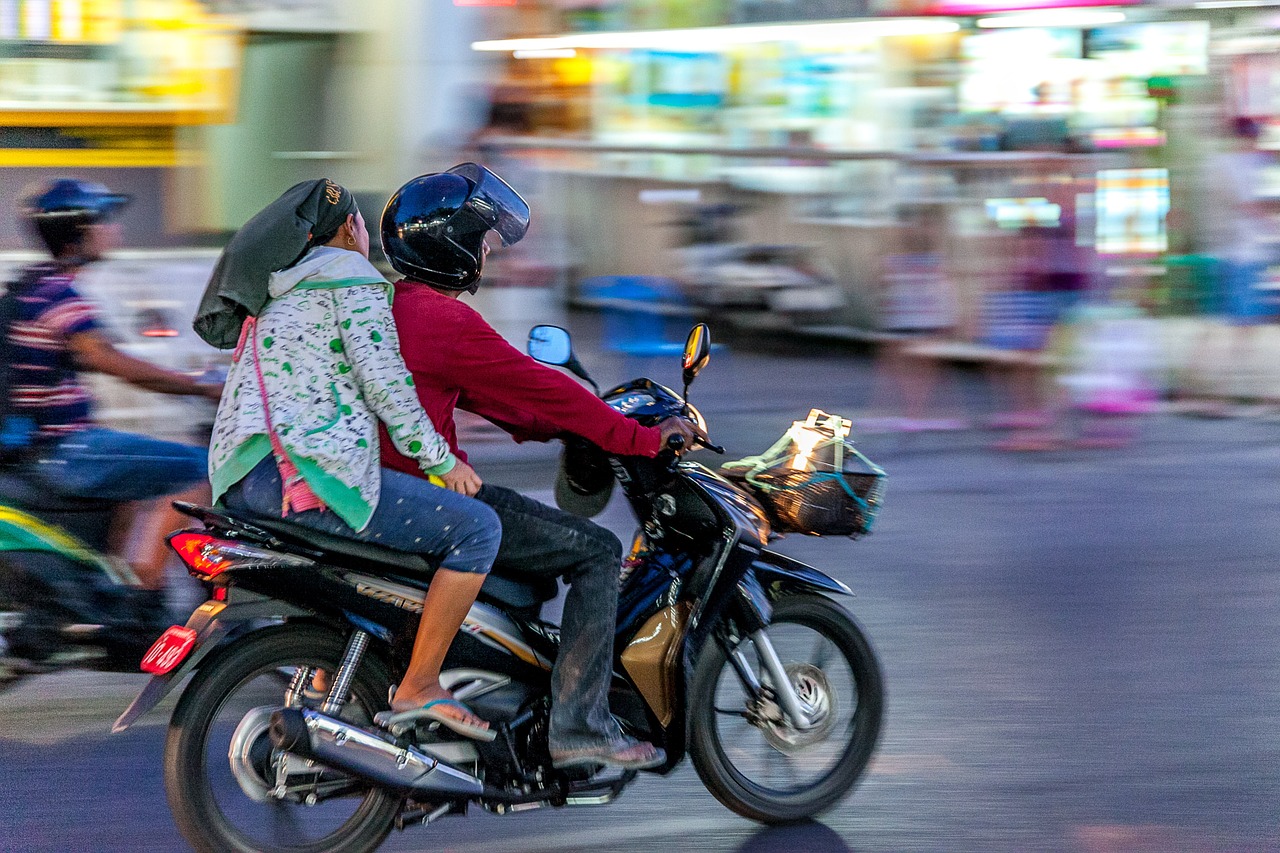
714,448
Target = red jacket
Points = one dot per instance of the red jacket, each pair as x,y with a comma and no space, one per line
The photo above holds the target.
459,361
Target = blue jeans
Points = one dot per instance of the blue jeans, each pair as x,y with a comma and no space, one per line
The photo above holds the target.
543,542
412,515
119,466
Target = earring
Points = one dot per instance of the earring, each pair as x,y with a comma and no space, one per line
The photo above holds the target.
351,241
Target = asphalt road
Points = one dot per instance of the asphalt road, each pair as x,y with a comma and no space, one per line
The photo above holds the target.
1079,649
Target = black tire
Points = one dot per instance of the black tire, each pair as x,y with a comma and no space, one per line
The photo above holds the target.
708,747
192,799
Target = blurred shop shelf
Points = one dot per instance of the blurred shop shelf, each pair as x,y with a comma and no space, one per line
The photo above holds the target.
965,159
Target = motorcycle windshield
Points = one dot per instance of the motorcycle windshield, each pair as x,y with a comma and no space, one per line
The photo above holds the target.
496,204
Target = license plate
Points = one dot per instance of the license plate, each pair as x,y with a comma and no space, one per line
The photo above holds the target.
170,650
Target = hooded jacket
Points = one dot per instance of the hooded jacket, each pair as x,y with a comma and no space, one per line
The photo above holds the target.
330,358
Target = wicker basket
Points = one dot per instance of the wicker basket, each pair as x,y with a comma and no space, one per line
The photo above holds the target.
799,502
814,481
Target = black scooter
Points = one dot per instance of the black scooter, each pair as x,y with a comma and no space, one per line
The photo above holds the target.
724,650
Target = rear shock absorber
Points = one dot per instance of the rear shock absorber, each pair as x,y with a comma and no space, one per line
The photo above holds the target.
357,643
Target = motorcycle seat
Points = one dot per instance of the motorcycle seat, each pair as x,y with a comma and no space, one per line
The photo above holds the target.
17,489
413,569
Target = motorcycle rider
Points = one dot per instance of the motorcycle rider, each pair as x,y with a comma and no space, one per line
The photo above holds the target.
317,366
55,335
433,233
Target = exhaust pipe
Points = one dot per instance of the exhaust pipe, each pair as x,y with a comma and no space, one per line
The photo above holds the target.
309,734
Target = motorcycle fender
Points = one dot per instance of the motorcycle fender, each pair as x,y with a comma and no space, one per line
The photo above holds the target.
211,621
772,568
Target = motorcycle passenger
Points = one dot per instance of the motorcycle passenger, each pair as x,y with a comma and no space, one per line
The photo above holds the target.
295,436
55,335
433,232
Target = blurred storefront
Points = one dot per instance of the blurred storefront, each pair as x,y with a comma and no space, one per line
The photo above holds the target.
109,89
822,122
205,110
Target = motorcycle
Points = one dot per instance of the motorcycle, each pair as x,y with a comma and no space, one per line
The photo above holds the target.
724,650
63,601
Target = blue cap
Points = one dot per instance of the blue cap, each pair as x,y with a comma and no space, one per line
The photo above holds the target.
67,195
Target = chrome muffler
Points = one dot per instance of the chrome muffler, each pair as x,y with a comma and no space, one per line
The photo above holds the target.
307,733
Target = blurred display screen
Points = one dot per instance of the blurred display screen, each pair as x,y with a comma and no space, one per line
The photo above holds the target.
1021,212
1019,69
1170,47
685,79
1096,81
1130,208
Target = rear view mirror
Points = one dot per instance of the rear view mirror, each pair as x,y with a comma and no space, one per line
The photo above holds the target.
550,345
697,352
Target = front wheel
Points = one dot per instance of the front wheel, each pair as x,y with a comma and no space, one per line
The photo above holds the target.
223,778
746,750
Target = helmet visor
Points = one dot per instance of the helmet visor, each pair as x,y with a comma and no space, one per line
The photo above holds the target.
495,203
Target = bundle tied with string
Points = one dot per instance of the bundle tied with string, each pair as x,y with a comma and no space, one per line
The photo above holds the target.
813,480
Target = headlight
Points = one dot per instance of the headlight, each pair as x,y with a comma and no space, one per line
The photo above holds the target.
697,417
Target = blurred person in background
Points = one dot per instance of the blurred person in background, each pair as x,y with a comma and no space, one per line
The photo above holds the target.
1050,274
506,114
919,305
1245,241
434,232
316,368
55,335
1109,367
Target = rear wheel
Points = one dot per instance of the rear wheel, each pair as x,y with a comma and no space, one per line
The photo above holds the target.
746,750
221,770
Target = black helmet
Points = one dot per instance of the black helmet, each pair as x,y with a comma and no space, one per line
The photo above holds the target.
60,211
433,227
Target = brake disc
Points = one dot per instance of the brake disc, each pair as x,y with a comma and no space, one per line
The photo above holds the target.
818,702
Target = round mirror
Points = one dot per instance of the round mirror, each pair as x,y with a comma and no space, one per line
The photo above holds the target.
550,345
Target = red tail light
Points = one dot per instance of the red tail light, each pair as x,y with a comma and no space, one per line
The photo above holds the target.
200,552
207,556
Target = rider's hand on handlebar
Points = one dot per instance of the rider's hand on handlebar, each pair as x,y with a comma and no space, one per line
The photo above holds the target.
684,428
462,479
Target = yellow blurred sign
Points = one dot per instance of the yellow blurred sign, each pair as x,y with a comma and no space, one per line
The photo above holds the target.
102,83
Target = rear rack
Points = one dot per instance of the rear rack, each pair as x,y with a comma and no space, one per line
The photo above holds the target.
220,521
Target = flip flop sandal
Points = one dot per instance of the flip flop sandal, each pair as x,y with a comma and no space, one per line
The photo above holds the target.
627,756
432,712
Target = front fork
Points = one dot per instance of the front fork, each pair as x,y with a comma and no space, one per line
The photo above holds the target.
779,684
755,612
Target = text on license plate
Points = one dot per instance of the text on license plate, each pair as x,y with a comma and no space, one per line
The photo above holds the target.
170,650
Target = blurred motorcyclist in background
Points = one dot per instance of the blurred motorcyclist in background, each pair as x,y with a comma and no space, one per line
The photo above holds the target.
54,336
433,232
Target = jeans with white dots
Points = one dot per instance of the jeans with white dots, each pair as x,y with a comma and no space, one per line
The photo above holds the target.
412,516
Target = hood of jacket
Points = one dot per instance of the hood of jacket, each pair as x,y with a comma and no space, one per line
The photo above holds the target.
324,267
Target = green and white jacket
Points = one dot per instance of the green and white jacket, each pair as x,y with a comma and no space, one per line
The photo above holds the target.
330,358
